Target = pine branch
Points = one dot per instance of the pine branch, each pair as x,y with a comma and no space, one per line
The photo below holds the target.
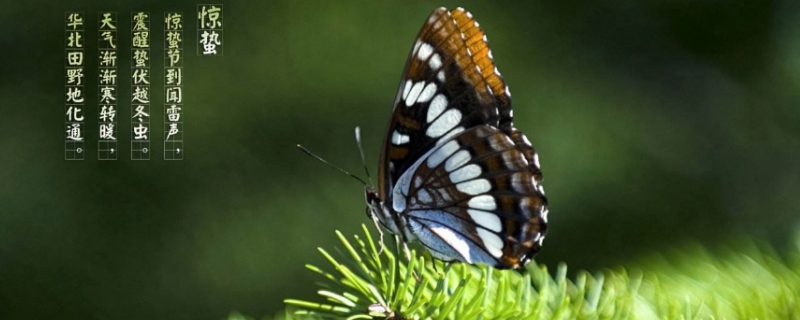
750,283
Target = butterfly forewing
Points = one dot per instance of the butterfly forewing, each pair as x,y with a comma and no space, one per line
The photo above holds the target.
449,84
481,55
454,172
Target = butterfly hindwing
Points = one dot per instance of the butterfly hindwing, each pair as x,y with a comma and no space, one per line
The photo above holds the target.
474,196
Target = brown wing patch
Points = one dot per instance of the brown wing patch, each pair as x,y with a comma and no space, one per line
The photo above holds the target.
478,48
443,32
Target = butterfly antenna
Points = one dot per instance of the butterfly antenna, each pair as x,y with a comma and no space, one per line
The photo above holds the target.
330,165
361,152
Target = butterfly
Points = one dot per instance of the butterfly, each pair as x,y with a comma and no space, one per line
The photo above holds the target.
454,173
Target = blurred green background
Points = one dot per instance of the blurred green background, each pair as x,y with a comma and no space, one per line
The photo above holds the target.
658,123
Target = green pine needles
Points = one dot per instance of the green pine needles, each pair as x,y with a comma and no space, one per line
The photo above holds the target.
366,283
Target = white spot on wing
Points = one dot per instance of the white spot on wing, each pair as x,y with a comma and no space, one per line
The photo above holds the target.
474,187
496,144
427,93
399,138
424,52
436,107
432,18
398,202
444,123
524,208
484,202
442,153
493,243
440,76
485,219
406,88
457,160
508,161
458,244
435,62
423,196
518,183
466,173
414,93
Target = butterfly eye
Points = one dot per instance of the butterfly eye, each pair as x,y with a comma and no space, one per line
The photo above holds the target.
371,196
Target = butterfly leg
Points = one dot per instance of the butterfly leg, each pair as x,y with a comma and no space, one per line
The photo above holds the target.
378,227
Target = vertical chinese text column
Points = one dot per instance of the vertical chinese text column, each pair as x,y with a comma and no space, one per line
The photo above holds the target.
140,86
74,136
173,86
209,29
107,148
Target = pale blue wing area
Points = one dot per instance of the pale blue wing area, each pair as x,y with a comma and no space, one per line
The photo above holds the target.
448,237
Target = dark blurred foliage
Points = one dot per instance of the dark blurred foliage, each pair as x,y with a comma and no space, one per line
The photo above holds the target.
657,122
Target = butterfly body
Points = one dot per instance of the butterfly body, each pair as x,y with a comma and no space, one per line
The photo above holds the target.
455,175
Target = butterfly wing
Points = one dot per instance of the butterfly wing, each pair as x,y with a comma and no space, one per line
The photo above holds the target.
475,198
464,180
449,84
